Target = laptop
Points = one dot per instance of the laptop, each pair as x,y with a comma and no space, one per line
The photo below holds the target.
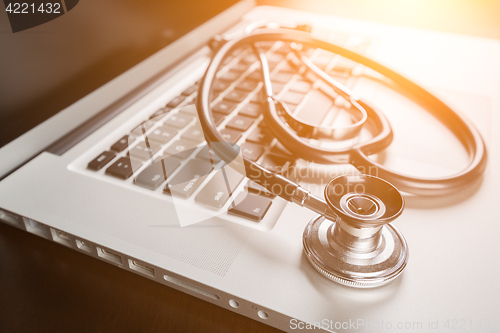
69,175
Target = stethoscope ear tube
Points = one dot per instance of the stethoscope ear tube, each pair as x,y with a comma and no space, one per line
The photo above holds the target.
358,154
229,153
463,129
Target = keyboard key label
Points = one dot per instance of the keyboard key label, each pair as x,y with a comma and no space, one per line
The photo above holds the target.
200,184
204,188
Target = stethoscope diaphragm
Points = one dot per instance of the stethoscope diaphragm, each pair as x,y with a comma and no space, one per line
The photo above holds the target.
359,249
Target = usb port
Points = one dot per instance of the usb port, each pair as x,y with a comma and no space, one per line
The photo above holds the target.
11,218
60,237
83,245
110,256
141,268
36,228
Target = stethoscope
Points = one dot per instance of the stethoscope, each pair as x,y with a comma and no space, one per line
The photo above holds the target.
350,242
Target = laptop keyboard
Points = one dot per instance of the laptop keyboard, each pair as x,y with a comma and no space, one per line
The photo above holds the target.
236,101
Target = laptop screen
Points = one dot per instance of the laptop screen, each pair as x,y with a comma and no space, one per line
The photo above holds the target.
47,68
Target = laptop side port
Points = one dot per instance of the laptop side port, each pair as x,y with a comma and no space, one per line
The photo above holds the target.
60,237
36,228
83,245
11,219
191,287
141,268
109,256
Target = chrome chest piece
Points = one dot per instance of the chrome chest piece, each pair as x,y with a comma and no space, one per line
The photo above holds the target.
359,249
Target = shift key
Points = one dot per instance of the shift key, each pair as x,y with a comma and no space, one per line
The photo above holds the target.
220,188
189,178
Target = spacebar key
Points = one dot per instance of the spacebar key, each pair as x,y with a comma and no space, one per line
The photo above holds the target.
218,190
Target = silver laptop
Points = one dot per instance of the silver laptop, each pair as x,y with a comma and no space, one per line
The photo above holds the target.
74,176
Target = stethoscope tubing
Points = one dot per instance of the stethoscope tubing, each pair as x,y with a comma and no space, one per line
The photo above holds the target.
357,155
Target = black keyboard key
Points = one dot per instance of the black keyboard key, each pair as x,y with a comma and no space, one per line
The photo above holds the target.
251,110
251,206
208,155
261,136
274,57
230,76
230,135
250,58
214,95
240,123
220,188
258,98
190,90
277,87
135,134
236,96
251,151
155,174
276,163
344,64
255,75
272,64
101,160
247,85
240,67
179,120
143,127
194,133
283,50
279,149
160,113
288,68
188,179
237,51
169,165
323,59
162,134
123,168
180,149
316,107
176,101
227,60
292,97
224,107
220,85
151,177
321,63
218,118
301,86
255,188
123,143
144,151
190,108
282,77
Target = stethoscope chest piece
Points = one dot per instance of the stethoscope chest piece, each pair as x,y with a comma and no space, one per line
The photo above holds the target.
358,249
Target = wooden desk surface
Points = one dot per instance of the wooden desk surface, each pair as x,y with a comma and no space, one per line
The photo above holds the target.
45,287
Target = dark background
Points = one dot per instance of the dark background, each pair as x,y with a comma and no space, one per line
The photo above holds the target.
49,67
